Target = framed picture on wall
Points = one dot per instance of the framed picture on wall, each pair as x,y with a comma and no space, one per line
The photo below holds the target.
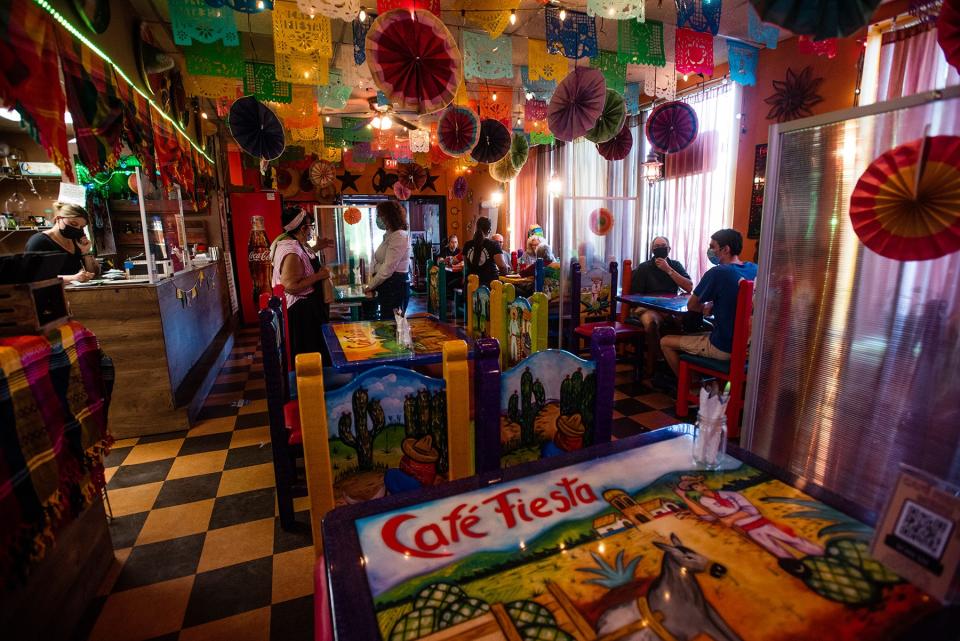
416,236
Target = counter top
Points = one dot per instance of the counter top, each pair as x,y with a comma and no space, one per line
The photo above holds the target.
140,281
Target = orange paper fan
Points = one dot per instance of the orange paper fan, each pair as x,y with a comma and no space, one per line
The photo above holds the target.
906,205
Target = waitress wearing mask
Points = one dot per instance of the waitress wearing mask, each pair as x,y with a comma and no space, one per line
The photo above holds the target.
391,261
67,236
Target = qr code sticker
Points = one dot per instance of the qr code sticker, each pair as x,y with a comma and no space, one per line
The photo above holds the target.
923,529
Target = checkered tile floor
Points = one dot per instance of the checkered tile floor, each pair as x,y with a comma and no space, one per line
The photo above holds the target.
199,549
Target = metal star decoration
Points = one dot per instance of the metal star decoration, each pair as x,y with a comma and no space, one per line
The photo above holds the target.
348,181
794,96
431,183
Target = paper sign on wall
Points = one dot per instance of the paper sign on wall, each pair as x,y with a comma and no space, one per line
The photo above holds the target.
73,194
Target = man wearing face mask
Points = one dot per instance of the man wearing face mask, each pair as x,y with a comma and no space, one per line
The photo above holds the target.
67,236
659,275
717,292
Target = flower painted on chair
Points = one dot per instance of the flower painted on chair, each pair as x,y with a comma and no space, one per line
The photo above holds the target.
795,96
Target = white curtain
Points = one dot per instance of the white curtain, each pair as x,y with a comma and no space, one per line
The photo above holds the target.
696,197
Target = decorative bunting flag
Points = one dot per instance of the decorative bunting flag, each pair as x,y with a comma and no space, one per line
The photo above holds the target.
301,68
543,65
355,129
345,10
665,82
196,20
363,153
631,96
462,99
575,37
304,134
492,16
295,32
353,75
419,141
641,43
334,94
765,34
333,137
617,9
541,89
214,87
614,70
485,57
401,151
214,59
244,6
542,138
534,111
694,52
699,15
743,62
360,39
260,80
498,109
433,6
334,154
823,48
301,112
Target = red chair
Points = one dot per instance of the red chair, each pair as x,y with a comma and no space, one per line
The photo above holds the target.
733,371
584,331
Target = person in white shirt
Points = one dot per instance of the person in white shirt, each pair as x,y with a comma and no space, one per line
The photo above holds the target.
391,261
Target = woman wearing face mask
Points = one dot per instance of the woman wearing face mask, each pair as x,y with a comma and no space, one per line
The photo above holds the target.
67,236
293,268
391,261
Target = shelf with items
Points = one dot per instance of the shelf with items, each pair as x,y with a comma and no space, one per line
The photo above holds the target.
156,206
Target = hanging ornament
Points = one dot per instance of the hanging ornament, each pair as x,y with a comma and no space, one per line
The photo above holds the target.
401,191
613,69
458,131
617,9
494,142
743,62
419,141
611,119
543,65
322,174
195,20
618,147
672,127
577,103
485,57
352,215
460,187
694,52
601,221
574,37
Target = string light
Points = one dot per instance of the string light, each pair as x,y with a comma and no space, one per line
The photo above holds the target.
363,15
563,15
203,114
494,96
513,16
260,5
326,118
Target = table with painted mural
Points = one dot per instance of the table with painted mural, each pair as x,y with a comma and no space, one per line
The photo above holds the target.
363,344
627,540
665,304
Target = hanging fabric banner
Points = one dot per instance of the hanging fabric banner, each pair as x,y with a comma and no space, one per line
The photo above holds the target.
694,52
631,96
699,15
301,68
433,6
485,57
541,138
641,43
823,48
345,10
493,16
334,94
93,102
649,76
30,78
420,141
332,137
301,112
614,70
499,108
137,126
295,32
303,134
196,20
743,62
260,80
617,9
543,65
360,39
575,37
765,34
534,111
214,86
401,151
540,89
355,129
214,59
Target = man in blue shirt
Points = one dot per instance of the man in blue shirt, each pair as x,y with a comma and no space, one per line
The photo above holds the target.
716,293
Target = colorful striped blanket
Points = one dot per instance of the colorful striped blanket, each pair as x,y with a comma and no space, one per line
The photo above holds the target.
53,435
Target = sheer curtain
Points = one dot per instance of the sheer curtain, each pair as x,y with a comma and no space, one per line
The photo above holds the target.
523,200
696,196
911,62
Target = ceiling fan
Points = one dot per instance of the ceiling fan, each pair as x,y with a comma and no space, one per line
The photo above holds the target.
387,111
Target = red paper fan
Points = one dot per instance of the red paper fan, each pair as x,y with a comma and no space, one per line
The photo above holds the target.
458,131
672,127
618,147
903,218
948,31
401,191
322,174
414,60
601,221
412,176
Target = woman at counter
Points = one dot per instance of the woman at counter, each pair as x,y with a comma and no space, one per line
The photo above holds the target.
293,268
67,236
391,261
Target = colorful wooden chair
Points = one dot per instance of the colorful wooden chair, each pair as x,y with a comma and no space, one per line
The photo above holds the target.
733,371
390,429
478,311
550,402
437,289
519,324
598,307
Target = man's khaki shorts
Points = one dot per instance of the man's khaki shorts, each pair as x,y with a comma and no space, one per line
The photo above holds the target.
698,345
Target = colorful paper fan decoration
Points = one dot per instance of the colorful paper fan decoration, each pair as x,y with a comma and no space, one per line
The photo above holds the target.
412,176
948,31
322,173
256,129
351,215
601,221
458,131
460,187
818,18
519,151
577,103
618,147
503,171
414,60
906,205
494,142
611,120
288,182
401,191
672,127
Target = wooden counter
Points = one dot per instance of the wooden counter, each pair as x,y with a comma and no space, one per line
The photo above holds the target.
166,350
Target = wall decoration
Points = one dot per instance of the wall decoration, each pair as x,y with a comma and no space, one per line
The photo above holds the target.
765,34
743,62
543,65
694,52
665,82
260,81
486,57
672,127
493,143
613,68
541,138
489,107
756,193
352,215
577,103
575,37
906,205
256,129
430,183
699,15
601,221
794,96
948,32
823,19
188,296
401,191
641,43
412,175
460,187
348,180
419,141
618,147
95,14
458,131
824,48
322,173
196,20
214,59
414,61
626,10
345,10
611,119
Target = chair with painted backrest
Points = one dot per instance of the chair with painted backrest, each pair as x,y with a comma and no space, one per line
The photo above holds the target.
478,311
390,429
552,401
285,434
598,306
519,324
733,371
437,289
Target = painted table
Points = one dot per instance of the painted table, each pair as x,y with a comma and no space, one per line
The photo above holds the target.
676,305
352,296
622,541
361,345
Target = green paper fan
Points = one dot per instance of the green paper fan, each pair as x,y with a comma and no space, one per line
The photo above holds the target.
508,167
611,119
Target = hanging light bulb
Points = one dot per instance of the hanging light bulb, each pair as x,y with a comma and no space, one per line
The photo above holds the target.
326,118
513,16
563,15
650,169
363,15
554,187
611,11
686,77
494,96
496,198
203,114
386,122
260,5
376,122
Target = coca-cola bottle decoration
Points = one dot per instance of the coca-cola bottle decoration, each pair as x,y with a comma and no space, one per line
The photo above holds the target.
258,259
